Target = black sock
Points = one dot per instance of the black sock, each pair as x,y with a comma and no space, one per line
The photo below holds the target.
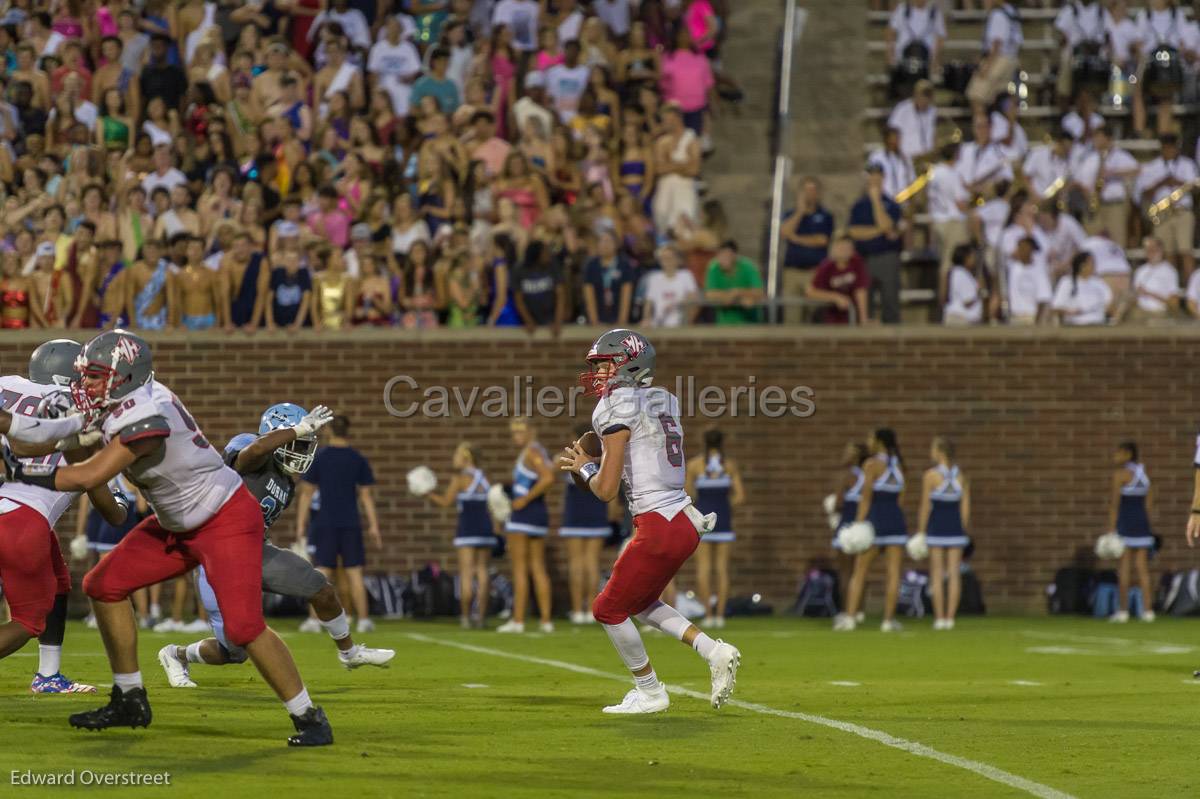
56,623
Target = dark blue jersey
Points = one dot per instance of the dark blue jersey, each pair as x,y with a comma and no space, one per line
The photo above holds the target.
270,484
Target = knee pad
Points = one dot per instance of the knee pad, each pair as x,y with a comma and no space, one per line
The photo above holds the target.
604,610
234,654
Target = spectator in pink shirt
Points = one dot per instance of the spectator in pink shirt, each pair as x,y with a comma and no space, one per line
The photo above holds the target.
329,221
702,23
687,80
489,148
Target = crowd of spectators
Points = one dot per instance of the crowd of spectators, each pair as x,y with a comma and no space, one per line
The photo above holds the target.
174,164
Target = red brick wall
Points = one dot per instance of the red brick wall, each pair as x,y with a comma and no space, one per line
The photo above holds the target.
1035,419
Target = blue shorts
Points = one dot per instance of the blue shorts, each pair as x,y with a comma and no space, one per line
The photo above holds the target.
724,537
102,536
328,543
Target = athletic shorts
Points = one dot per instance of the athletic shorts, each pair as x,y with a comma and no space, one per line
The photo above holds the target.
658,549
329,543
31,565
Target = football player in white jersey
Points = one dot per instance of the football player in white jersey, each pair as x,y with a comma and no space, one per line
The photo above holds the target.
203,515
36,580
643,446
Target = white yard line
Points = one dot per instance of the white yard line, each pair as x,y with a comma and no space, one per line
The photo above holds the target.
912,747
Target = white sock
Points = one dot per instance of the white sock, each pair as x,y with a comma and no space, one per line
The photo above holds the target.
127,682
299,703
338,627
625,638
704,645
665,618
647,682
349,653
192,653
49,660
156,611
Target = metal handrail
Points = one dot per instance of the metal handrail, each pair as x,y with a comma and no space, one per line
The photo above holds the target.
773,304
783,163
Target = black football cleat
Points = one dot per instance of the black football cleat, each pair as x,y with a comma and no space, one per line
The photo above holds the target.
312,729
124,709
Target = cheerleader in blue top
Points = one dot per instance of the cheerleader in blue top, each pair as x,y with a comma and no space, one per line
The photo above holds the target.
945,513
475,534
1129,515
585,527
883,484
716,484
526,528
847,491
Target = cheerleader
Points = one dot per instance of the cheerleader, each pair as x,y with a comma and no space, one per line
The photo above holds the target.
883,483
847,493
716,484
474,536
585,528
526,528
1129,515
945,512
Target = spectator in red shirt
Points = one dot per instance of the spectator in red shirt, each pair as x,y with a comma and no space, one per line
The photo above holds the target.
841,280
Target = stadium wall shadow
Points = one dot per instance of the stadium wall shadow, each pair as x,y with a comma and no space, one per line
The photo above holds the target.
1035,414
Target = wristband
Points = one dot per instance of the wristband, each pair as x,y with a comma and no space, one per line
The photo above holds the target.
589,470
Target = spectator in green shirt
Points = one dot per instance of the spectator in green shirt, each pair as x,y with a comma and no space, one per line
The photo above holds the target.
436,84
734,286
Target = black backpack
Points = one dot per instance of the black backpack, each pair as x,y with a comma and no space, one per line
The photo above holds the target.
1071,591
818,597
971,601
433,593
1183,597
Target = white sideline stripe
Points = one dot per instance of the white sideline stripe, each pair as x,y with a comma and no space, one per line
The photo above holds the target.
475,685
912,747
845,683
1025,683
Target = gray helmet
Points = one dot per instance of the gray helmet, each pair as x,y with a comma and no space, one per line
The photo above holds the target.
53,363
631,353
121,359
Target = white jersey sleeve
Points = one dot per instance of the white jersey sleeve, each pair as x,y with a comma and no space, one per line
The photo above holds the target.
653,471
188,482
20,397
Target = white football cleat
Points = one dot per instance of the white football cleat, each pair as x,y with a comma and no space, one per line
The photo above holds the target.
639,701
511,626
546,627
194,626
723,666
1148,616
365,626
890,626
177,670
310,625
365,656
1120,617
167,626
843,623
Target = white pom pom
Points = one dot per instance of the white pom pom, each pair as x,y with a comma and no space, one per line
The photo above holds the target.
829,504
917,547
1109,546
857,537
79,547
498,503
421,480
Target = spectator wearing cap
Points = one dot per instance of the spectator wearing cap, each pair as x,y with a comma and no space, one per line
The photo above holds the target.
393,65
159,77
916,120
435,84
521,19
1155,284
51,297
1103,175
1176,226
948,203
533,104
734,286
1002,40
898,172
1029,291
608,283
842,281
806,233
362,247
875,227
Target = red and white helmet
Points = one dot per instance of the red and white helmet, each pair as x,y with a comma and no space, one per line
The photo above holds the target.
111,367
629,351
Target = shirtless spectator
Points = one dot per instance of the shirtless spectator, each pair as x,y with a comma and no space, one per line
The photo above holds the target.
199,290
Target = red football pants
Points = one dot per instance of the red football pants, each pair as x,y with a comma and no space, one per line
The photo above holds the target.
31,566
657,550
229,547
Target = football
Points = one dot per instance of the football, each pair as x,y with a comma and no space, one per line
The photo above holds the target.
590,443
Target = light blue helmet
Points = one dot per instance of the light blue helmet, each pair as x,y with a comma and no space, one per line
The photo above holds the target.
295,456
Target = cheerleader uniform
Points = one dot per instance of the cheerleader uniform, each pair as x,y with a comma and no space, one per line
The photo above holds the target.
945,527
534,518
850,499
474,522
712,496
584,514
1133,523
885,513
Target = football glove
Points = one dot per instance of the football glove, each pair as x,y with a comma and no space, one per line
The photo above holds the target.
35,474
317,418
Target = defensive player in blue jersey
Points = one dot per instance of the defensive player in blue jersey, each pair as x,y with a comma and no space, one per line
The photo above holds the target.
269,463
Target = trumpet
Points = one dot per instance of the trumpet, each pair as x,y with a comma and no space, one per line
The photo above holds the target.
1162,210
921,181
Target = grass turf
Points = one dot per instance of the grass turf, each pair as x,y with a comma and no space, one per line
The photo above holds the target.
1102,713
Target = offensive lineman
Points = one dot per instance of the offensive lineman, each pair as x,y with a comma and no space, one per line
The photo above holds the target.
36,580
204,515
269,463
643,445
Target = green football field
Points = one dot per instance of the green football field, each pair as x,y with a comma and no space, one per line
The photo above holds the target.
1002,707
